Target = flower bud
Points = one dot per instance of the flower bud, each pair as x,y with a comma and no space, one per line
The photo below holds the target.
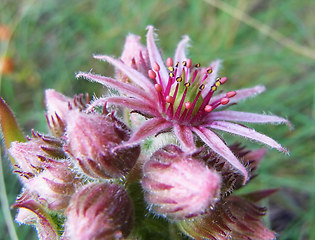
58,107
99,211
95,141
179,186
55,184
232,218
29,155
134,55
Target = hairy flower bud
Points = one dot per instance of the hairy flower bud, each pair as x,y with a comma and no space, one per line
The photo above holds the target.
179,186
95,141
29,155
99,211
58,107
232,218
55,184
134,55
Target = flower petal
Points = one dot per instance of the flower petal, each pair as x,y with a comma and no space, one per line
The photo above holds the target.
135,76
155,56
180,55
218,146
236,116
246,132
240,94
120,86
132,103
149,128
185,136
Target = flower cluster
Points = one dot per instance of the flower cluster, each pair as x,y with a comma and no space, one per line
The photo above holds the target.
77,180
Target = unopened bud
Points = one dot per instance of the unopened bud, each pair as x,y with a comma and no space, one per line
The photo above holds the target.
95,141
99,211
179,186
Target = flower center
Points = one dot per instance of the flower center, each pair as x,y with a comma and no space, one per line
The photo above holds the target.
182,96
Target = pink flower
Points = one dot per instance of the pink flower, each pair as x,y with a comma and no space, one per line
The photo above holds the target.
180,96
179,186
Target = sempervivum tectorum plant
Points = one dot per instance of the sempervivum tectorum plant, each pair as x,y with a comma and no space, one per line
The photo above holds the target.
179,186
95,140
181,96
99,211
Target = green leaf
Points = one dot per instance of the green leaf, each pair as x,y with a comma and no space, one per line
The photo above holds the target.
10,129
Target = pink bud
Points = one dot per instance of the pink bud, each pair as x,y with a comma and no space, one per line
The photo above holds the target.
29,155
55,184
95,140
179,186
134,55
99,211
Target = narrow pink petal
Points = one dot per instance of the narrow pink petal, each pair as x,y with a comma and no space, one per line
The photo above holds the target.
185,137
149,128
241,94
155,56
218,146
135,76
122,87
180,55
132,103
245,132
236,116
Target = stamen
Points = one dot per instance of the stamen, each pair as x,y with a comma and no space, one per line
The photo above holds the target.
176,65
208,108
184,63
224,101
169,62
152,74
156,67
171,74
179,79
158,87
187,84
197,65
188,63
209,70
202,86
194,76
188,105
171,68
169,99
230,94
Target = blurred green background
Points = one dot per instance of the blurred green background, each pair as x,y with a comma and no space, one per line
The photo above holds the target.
273,44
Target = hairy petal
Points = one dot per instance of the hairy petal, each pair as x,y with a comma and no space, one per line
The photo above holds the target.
149,128
132,103
135,76
236,116
218,146
241,94
154,54
245,132
185,136
180,55
118,85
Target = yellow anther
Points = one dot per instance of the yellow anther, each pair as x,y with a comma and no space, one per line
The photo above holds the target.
187,84
171,68
217,83
218,79
202,86
171,74
179,79
197,65
209,70
176,65
184,63
213,88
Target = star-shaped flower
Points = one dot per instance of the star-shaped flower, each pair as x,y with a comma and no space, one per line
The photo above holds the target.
180,96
